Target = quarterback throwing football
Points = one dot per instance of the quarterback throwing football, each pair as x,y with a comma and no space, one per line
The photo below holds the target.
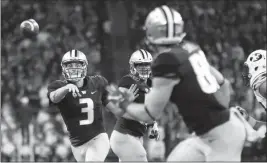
80,99
255,77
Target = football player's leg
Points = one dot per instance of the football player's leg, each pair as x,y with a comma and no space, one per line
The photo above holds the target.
190,149
237,139
127,147
89,154
77,153
98,148
226,141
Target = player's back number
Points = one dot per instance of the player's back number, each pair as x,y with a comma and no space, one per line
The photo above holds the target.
201,67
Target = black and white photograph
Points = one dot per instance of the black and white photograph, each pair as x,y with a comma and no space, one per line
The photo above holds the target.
133,81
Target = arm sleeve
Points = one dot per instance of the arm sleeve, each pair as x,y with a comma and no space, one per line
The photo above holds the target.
126,82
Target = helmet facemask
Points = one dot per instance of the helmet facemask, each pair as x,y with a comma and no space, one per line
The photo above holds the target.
141,70
74,70
246,75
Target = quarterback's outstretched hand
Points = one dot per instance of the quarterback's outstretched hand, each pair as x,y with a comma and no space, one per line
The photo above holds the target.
74,89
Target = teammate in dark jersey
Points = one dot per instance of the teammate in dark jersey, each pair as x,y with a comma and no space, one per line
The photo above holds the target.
127,138
80,99
182,75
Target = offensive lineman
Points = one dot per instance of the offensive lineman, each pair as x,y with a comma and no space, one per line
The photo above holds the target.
127,137
80,99
182,75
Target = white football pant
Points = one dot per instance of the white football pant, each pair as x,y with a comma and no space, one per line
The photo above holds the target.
127,147
94,150
223,143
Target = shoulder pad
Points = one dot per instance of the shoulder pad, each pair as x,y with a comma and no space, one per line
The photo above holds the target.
99,80
127,80
134,78
190,46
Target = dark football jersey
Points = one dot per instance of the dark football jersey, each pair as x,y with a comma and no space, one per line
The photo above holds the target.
128,126
83,115
194,95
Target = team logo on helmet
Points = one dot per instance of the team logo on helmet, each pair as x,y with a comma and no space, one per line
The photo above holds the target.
254,67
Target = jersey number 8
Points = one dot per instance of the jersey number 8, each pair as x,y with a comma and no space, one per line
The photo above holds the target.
201,67
89,109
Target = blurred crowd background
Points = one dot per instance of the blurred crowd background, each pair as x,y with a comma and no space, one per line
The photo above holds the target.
108,32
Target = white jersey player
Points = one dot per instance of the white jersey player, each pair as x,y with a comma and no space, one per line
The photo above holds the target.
255,77
256,66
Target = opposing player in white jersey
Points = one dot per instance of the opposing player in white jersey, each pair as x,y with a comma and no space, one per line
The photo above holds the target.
182,75
255,77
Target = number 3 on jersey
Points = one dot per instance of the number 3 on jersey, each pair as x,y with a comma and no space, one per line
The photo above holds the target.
89,109
201,67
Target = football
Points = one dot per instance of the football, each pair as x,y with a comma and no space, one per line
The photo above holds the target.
29,28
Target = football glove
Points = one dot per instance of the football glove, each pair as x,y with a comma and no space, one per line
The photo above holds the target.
154,132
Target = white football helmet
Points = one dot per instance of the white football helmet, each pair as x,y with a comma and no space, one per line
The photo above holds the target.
74,65
164,26
140,64
255,66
